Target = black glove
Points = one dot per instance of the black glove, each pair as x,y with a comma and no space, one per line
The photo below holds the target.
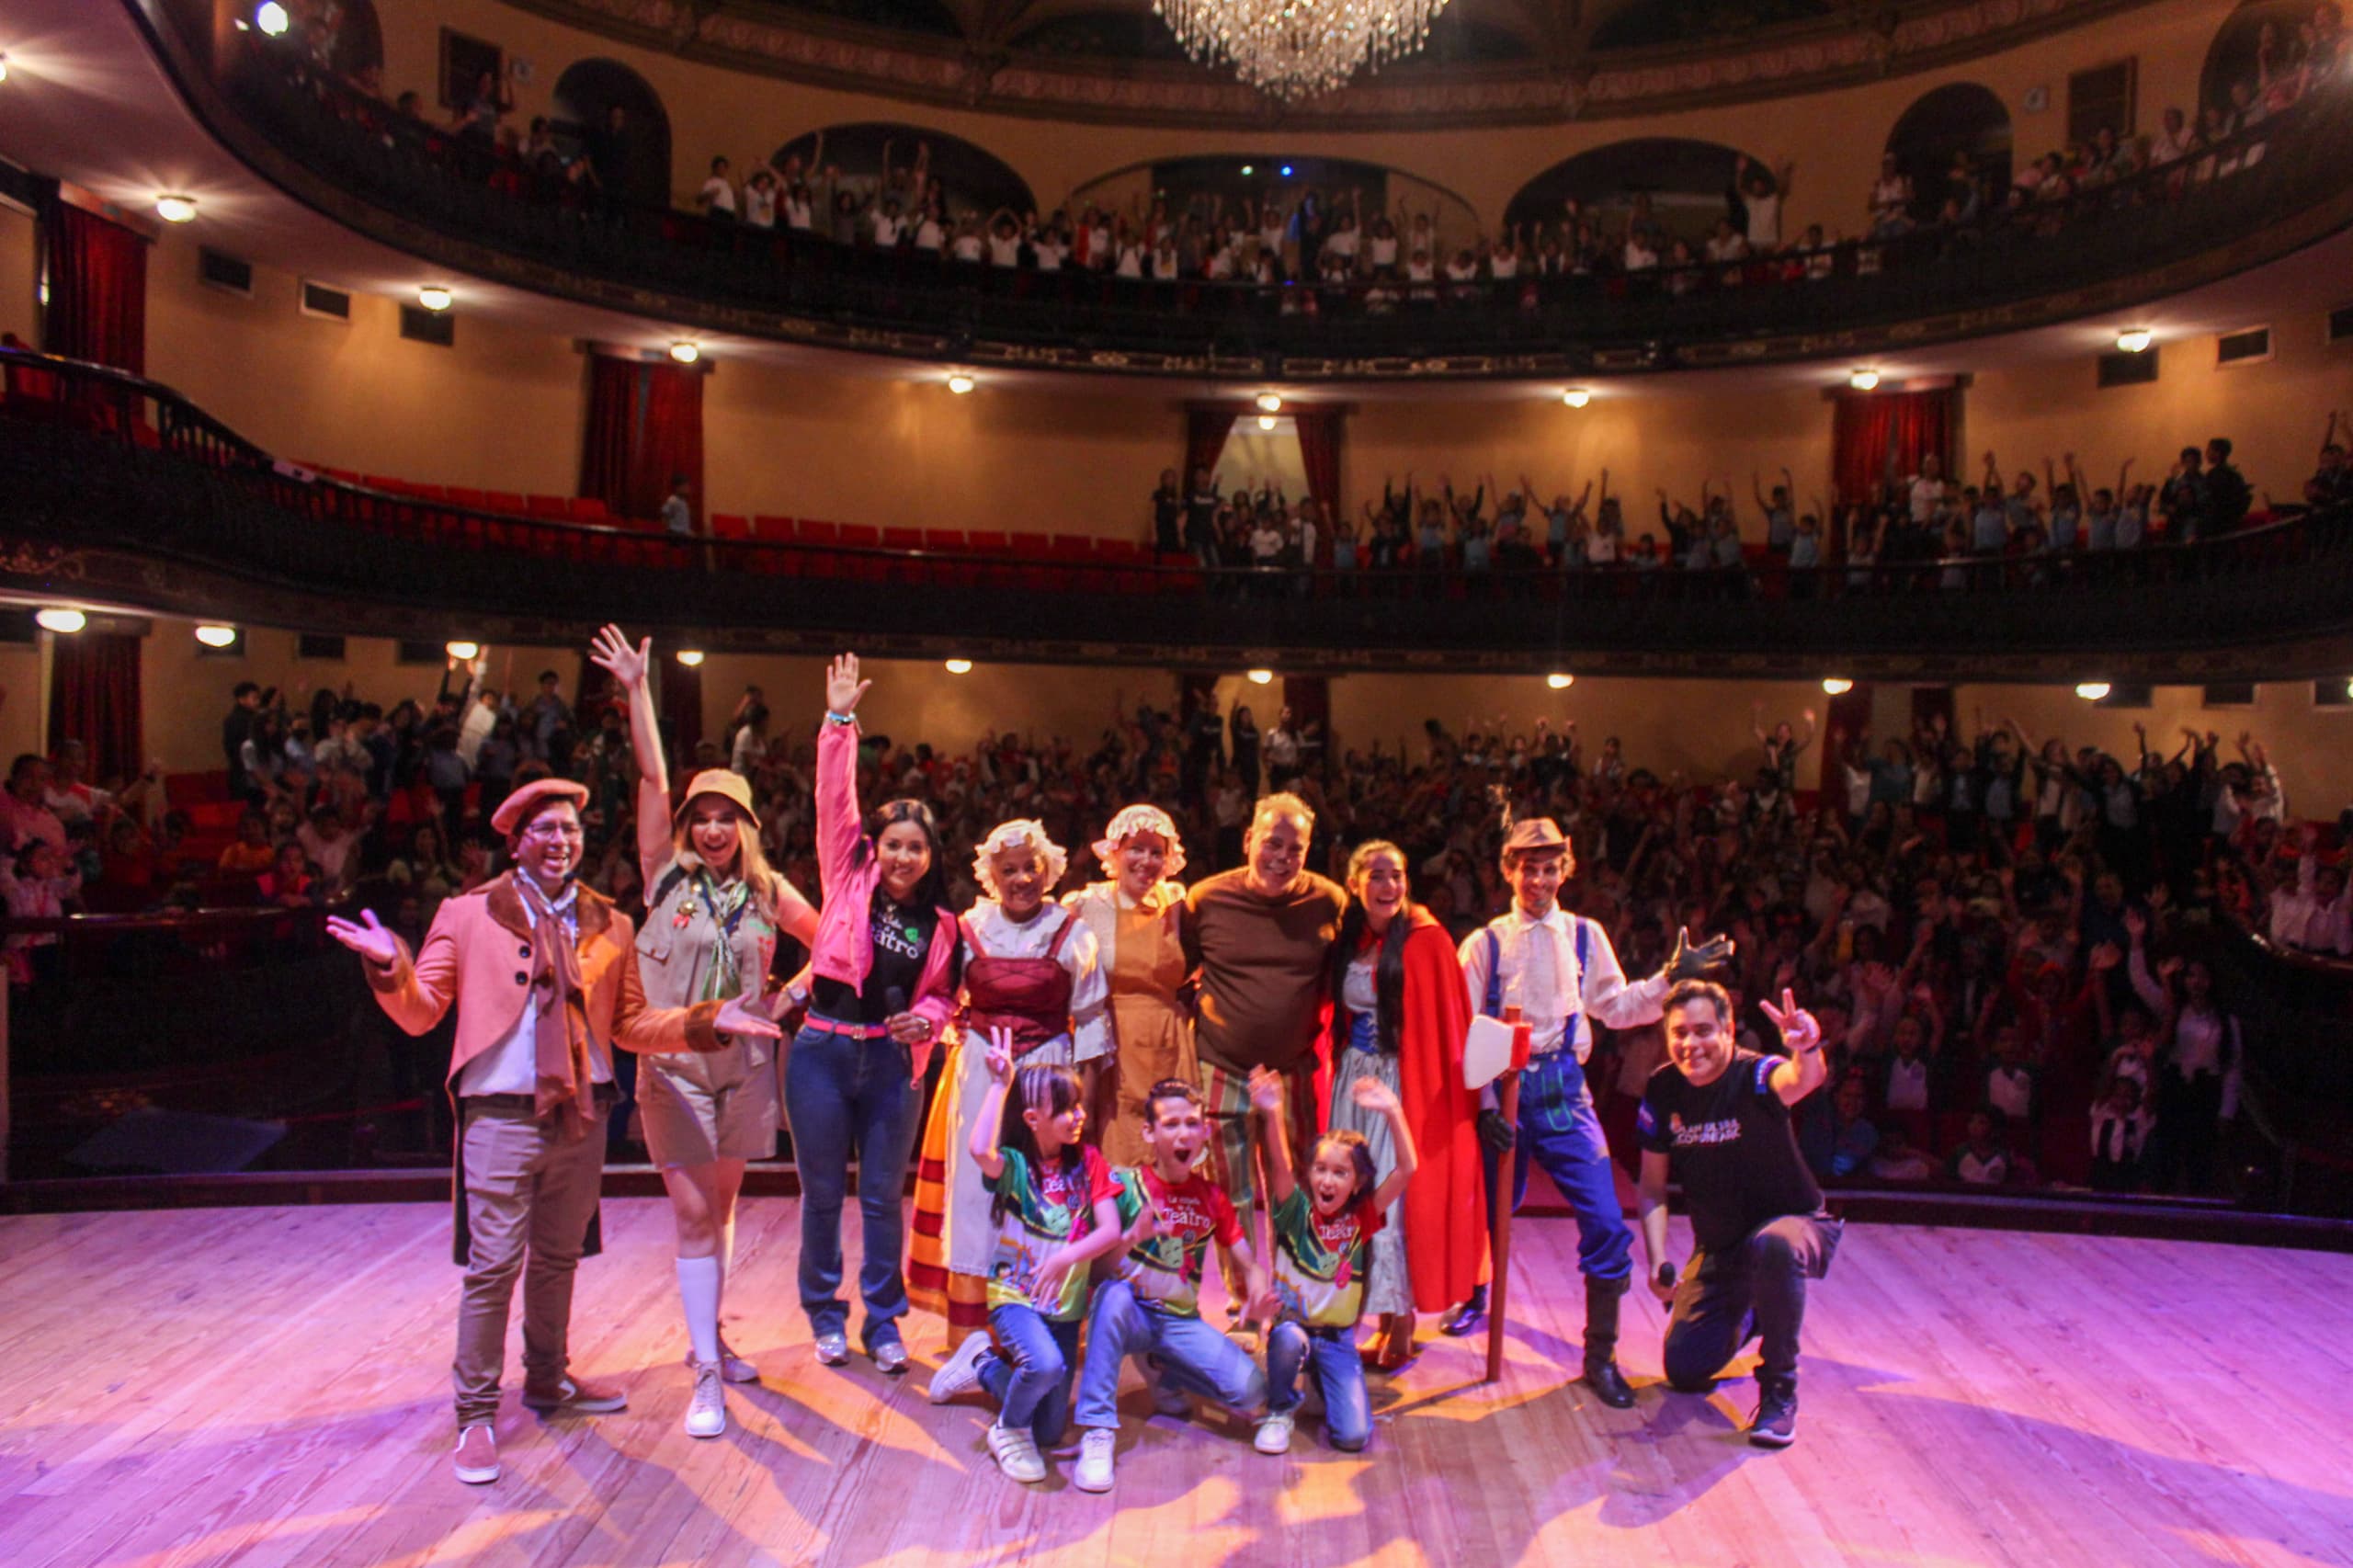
1688,963
1496,1132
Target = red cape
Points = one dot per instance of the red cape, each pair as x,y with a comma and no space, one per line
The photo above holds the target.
1445,1203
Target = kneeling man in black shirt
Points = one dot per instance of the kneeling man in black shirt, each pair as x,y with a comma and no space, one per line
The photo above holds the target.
1718,1118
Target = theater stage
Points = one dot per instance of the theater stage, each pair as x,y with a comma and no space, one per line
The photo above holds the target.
270,1386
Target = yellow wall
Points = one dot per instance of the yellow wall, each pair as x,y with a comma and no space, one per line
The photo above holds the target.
1835,138
502,410
19,276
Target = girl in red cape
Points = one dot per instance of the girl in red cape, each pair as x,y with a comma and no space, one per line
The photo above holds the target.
1399,1014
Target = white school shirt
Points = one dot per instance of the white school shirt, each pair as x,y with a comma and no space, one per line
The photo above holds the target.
759,207
796,212
1131,264
1004,252
719,194
1384,250
1539,961
1907,1086
967,248
1764,220
929,235
512,1066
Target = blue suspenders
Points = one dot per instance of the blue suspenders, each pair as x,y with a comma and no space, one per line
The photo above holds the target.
1495,981
1547,1106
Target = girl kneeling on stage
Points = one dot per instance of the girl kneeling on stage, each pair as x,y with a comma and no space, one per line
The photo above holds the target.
1323,1255
713,909
1057,1211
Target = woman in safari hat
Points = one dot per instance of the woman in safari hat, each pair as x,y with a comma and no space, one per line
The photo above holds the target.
713,910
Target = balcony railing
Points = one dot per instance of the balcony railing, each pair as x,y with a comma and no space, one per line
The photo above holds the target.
97,461
2258,195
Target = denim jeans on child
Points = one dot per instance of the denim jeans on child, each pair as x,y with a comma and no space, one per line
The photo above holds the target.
1190,1354
1330,1355
1029,1372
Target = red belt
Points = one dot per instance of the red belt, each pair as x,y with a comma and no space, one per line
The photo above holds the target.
848,1031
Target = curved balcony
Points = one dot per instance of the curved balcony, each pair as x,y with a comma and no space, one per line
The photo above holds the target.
116,490
2252,199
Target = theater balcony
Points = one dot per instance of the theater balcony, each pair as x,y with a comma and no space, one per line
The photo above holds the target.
2255,197
117,490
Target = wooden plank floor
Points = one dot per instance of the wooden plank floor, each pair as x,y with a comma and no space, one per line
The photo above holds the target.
247,1386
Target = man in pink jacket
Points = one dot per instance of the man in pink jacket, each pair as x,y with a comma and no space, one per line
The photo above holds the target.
543,973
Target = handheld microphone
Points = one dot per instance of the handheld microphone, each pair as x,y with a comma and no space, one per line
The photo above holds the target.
1666,1276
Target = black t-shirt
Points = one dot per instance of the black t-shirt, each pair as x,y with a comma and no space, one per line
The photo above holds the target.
1732,1146
900,935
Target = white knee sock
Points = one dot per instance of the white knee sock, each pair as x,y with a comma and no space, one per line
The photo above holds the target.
698,1290
726,1255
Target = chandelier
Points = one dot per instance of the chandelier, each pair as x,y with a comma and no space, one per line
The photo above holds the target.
1296,48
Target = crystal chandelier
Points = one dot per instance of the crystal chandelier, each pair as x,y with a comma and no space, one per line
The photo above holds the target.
1296,48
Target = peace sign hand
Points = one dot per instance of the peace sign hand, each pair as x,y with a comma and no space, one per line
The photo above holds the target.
1800,1031
1000,1055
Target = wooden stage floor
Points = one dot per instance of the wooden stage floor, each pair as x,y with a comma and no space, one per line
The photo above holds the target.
268,1386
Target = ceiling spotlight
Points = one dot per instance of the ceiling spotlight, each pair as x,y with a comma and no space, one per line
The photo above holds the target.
462,652
3,66
56,618
216,636
1262,677
684,351
1269,403
176,209
434,297
960,383
1560,681
1286,171
960,666
1576,397
1266,421
1864,379
1247,171
1836,686
690,657
271,18
2092,690
2136,340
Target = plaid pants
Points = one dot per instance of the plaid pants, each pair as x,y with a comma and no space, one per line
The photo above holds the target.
1234,1127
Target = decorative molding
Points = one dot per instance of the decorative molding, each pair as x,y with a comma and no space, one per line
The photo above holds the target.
1618,84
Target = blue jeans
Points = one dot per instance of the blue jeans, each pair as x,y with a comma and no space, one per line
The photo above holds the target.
841,1093
1329,1355
1559,1132
1190,1355
1030,1372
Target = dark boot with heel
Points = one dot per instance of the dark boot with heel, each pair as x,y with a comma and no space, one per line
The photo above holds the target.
1602,1373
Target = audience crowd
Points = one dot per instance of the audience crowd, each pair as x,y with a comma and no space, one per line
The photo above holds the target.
1347,246
2000,932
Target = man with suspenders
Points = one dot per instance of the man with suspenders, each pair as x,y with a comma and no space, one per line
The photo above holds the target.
1561,972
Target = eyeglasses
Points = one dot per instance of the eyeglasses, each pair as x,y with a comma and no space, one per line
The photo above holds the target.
555,830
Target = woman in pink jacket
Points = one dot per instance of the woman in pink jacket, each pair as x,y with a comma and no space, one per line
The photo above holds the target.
883,984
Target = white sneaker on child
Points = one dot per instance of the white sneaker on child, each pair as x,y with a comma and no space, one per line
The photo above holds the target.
960,1371
1017,1453
1096,1453
1274,1433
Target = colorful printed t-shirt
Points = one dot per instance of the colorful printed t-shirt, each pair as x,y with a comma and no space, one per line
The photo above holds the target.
1045,1208
1320,1264
1167,1269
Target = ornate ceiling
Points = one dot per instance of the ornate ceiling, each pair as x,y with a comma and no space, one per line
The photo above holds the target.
1488,61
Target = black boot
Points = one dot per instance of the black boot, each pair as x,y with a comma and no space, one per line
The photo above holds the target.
1472,1318
1775,1425
1602,1373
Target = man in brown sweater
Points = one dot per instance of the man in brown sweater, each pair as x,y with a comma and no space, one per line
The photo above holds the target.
1261,936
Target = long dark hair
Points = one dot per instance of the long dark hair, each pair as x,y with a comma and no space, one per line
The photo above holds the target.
932,890
1050,1091
1359,1155
1389,965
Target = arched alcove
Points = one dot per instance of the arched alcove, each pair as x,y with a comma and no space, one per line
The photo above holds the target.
1940,126
632,154
971,179
1686,181
2260,41
357,48
1300,186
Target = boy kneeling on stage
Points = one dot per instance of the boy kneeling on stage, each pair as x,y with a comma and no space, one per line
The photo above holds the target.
1718,1118
1323,1252
1153,1308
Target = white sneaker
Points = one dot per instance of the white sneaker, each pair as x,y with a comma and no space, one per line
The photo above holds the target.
1097,1451
833,1349
961,1371
707,1412
731,1366
477,1456
1016,1454
1274,1433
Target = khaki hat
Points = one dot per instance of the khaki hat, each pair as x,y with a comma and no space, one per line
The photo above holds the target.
525,802
1536,833
725,783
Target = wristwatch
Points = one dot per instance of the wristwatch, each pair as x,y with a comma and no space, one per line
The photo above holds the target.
833,718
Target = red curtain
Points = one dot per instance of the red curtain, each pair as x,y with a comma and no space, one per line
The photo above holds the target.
682,706
1205,433
97,290
1319,451
1880,437
644,427
94,698
1842,721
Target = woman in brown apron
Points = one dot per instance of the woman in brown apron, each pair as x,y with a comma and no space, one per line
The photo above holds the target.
1138,918
1029,967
